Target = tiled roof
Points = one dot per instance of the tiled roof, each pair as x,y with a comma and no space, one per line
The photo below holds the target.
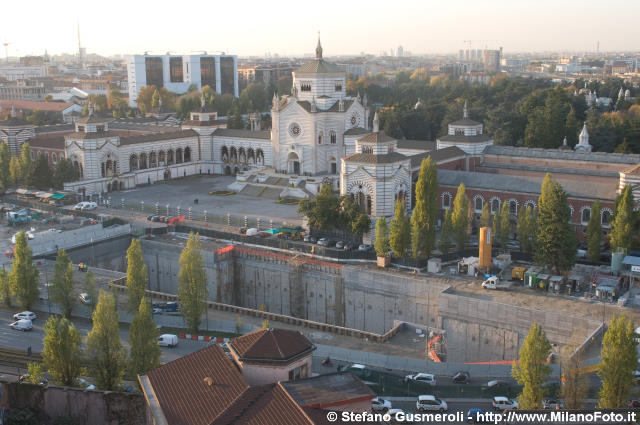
271,345
378,137
55,128
184,395
243,134
48,141
328,390
81,135
356,131
437,155
33,105
465,122
480,138
319,66
198,123
560,169
416,144
14,122
633,170
622,158
369,158
156,137
94,119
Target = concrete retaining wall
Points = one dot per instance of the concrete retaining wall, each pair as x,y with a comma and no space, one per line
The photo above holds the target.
48,243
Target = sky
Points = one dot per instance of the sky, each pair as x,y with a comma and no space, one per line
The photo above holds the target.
290,28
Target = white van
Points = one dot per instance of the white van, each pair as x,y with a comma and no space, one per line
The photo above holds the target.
22,325
168,340
252,231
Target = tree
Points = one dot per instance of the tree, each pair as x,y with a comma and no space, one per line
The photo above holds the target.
460,217
42,176
556,240
351,218
15,170
62,351
64,172
235,118
26,164
485,216
143,340
504,225
23,278
63,290
619,360
424,218
145,95
527,229
5,288
155,99
594,233
35,373
532,370
105,354
136,276
192,283
622,224
399,234
381,244
445,234
321,211
90,288
5,160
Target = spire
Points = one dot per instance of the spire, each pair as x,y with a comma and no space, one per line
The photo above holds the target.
376,123
465,111
274,101
358,98
313,104
319,48
340,105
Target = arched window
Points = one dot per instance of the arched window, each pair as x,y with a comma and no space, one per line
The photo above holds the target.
513,207
162,158
143,161
153,160
333,165
224,153
54,157
495,205
530,204
170,158
242,156
478,203
605,218
233,155
260,157
187,154
320,138
446,200
367,149
179,156
133,162
585,215
332,136
251,156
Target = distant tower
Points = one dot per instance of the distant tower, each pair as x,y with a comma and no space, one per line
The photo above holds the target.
81,50
583,141
400,52
465,111
319,48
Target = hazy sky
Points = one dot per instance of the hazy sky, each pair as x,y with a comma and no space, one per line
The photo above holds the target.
249,27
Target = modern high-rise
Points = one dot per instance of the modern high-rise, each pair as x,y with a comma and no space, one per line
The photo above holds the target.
177,72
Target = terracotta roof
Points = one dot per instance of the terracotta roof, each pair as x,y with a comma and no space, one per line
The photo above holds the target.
369,158
328,390
266,404
244,134
480,138
48,141
416,144
378,137
356,131
156,137
465,122
437,155
271,345
184,395
33,105
633,170
319,66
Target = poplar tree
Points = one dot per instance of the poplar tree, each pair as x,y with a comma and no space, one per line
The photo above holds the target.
532,370
556,240
23,278
136,276
26,164
460,217
424,216
105,354
381,244
143,340
62,350
400,235
619,356
5,288
15,170
523,228
445,233
622,224
485,216
504,226
5,160
192,283
63,290
594,233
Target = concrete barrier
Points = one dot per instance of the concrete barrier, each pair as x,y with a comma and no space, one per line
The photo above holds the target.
48,243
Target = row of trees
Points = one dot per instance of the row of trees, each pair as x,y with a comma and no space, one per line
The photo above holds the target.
619,360
515,111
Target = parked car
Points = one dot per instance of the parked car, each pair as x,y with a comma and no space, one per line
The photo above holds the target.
380,405
88,206
168,340
80,206
461,378
340,245
149,217
22,325
56,203
503,403
155,218
28,315
365,247
430,402
425,378
359,370
323,242
349,246
477,416
397,413
310,239
552,403
84,298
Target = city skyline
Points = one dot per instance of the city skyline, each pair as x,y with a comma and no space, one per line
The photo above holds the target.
432,27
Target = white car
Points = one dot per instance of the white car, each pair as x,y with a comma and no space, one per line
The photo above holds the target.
84,298
168,340
503,403
425,378
79,206
28,315
380,405
429,402
22,325
89,206
392,416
